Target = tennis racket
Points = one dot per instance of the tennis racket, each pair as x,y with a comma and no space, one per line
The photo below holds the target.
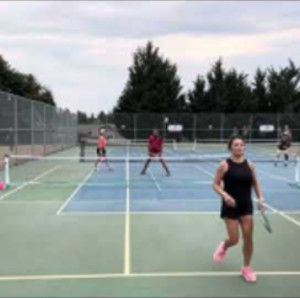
266,222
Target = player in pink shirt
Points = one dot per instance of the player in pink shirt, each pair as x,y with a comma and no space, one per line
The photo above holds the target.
155,148
101,149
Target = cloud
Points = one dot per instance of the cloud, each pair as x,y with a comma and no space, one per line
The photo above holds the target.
82,50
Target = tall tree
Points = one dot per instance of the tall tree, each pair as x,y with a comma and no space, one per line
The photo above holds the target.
25,85
102,117
82,117
228,91
237,93
216,87
153,84
5,74
260,96
197,98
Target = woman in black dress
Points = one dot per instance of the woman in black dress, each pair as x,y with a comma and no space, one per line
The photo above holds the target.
238,177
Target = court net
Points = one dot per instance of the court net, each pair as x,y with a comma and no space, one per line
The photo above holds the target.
257,148
73,170
122,146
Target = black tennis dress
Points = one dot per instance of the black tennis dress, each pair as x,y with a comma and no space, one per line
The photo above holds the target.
238,183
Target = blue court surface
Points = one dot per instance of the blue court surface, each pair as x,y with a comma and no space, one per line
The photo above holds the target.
188,189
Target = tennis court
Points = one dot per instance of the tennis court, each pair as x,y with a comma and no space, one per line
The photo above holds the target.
68,230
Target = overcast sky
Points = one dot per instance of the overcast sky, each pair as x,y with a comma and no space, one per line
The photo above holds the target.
82,50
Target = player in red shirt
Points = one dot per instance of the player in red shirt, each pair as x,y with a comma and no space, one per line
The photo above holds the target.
101,150
155,148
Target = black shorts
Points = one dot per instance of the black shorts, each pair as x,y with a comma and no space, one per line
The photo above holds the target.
237,211
283,147
101,151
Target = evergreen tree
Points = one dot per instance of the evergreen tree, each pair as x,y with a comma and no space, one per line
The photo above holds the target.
153,84
197,98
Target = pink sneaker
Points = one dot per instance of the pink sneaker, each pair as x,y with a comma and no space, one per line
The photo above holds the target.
220,253
248,274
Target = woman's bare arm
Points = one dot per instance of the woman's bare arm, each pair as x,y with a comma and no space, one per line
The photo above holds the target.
217,184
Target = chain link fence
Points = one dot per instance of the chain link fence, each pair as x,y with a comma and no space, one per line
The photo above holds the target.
204,127
34,128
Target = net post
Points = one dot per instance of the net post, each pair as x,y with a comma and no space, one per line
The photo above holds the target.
82,150
195,145
128,145
174,145
6,171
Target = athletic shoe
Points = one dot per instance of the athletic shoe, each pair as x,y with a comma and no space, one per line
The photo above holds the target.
248,274
220,253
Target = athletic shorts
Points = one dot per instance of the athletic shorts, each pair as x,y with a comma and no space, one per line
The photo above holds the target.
283,147
101,151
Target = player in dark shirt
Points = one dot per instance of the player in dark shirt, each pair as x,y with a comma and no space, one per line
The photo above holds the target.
155,148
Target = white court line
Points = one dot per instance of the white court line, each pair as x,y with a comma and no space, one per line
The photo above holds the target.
210,182
152,177
104,213
198,167
12,202
295,212
112,213
204,182
75,192
274,176
170,152
127,220
142,275
205,171
155,181
28,183
281,213
175,213
68,184
197,200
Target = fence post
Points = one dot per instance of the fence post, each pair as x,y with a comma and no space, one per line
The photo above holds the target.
222,127
164,125
195,128
134,126
251,128
278,125
44,129
16,123
32,127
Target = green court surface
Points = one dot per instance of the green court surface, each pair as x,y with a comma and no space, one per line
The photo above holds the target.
52,247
